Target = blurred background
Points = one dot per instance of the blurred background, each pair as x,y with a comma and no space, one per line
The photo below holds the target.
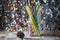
37,19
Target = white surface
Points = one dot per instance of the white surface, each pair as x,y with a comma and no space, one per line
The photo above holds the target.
12,36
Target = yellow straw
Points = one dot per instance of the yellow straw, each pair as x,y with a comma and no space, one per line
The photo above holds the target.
34,27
